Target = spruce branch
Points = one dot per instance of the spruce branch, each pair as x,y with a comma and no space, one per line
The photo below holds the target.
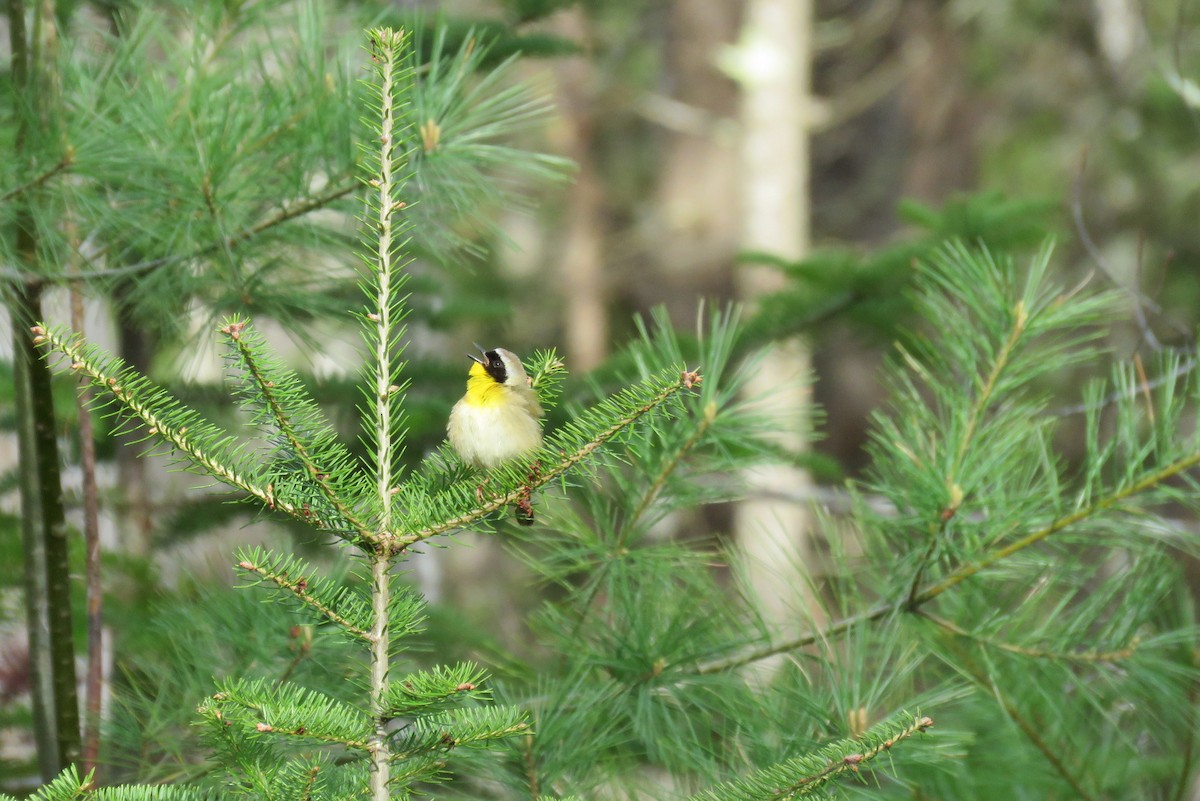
341,606
434,691
461,728
68,786
299,424
218,454
180,427
287,709
805,775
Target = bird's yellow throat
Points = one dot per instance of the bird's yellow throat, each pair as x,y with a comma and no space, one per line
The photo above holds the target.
482,389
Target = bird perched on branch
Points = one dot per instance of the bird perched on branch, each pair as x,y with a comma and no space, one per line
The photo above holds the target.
499,419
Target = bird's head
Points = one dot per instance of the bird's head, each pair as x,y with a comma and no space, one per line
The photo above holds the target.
500,365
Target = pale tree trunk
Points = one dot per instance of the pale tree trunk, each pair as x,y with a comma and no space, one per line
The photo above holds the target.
135,516
1121,34
773,65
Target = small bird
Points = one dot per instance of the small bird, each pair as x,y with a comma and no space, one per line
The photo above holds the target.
499,419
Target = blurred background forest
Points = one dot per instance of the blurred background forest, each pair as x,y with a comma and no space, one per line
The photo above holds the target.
796,157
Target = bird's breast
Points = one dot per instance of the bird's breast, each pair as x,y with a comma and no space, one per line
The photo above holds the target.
488,434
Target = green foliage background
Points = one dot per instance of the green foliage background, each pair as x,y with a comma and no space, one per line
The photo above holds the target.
1014,562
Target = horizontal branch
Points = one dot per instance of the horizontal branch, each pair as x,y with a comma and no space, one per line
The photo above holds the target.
851,762
448,741
401,542
301,731
82,363
282,215
299,587
835,629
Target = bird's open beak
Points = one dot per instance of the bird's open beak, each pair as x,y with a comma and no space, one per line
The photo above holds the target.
482,352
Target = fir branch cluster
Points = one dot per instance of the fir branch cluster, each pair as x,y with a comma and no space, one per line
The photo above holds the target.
808,774
279,739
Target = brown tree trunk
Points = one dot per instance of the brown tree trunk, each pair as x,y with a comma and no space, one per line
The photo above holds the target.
693,238
942,118
43,523
135,518
586,291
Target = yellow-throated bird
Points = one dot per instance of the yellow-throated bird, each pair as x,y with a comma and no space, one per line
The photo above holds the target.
499,418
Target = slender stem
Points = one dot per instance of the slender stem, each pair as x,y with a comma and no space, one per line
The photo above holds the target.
1189,745
656,486
388,55
835,629
702,426
1029,728
531,773
44,536
38,180
43,526
380,646
1032,730
281,216
1020,319
919,574
1086,657
385,207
